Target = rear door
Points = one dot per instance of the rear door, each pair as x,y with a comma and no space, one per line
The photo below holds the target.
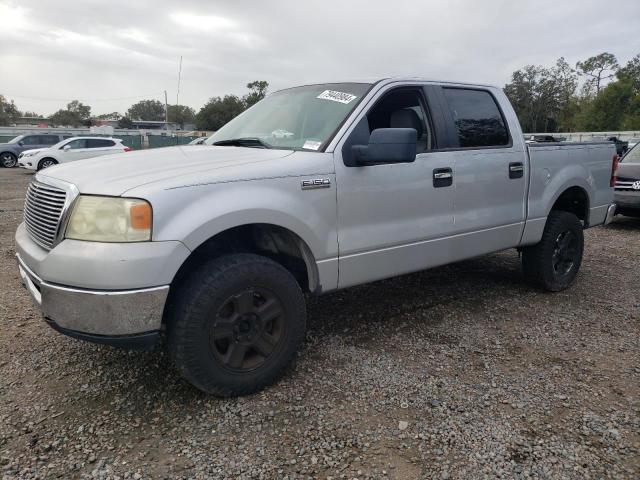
490,169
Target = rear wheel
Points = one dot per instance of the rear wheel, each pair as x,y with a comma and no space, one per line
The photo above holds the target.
235,325
554,262
46,163
8,159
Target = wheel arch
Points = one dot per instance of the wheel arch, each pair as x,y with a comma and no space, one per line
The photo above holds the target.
573,199
270,240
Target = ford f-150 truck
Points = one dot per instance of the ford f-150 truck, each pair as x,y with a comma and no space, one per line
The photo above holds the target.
314,188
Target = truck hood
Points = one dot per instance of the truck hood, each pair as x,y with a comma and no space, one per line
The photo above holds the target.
168,167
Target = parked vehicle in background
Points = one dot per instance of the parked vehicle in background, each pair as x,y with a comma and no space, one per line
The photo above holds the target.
633,142
10,151
70,150
371,180
627,189
197,141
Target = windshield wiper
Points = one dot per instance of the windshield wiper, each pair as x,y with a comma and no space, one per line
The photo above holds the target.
250,142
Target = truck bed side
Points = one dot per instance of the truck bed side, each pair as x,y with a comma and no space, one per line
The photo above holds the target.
556,168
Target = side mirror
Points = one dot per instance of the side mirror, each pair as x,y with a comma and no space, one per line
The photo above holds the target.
66,147
387,145
21,143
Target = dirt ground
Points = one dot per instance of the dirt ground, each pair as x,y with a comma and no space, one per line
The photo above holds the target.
462,371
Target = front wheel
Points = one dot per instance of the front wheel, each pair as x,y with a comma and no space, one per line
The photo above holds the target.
554,262
235,324
8,159
46,163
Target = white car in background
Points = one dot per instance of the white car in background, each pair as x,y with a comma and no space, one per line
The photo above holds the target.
70,150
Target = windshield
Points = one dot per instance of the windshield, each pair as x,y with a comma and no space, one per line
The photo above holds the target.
632,156
296,118
17,139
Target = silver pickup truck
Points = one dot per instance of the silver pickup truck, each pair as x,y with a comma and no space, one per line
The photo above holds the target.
315,188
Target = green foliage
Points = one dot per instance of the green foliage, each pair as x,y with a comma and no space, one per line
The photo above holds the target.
125,122
74,115
181,114
597,69
258,90
542,96
9,113
152,110
547,99
219,110
109,116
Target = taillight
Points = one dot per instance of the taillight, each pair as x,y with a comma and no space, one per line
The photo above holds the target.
614,169
127,149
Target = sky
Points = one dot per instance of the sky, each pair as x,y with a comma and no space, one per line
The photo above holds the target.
112,53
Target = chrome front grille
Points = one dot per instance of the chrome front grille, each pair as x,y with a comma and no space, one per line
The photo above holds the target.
43,209
627,184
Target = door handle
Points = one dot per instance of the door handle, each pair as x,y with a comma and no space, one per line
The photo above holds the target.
516,170
442,177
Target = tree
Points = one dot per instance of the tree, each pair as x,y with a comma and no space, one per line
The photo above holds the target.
597,69
152,110
258,90
76,114
543,97
109,116
82,111
9,113
181,114
631,72
125,122
218,111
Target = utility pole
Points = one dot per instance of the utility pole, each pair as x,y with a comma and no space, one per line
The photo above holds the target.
179,75
166,112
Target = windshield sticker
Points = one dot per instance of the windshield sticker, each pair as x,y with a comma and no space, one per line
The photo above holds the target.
334,96
312,145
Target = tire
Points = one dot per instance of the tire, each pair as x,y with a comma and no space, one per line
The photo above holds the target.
46,163
8,159
235,324
554,262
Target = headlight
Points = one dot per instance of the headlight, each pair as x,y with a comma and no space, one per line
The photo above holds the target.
29,154
110,219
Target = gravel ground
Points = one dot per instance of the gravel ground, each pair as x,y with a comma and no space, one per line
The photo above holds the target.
458,372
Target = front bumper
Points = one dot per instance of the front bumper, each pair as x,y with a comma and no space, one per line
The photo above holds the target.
114,317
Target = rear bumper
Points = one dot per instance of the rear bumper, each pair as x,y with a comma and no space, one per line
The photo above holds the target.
122,317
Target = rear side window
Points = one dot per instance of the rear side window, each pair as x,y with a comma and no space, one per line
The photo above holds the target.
97,143
49,139
477,118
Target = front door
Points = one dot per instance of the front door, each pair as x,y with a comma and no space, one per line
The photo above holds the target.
391,218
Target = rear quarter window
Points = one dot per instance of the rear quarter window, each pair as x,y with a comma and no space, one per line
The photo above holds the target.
97,143
477,118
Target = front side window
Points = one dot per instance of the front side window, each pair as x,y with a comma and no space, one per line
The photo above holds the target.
477,118
31,140
76,144
297,118
403,108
